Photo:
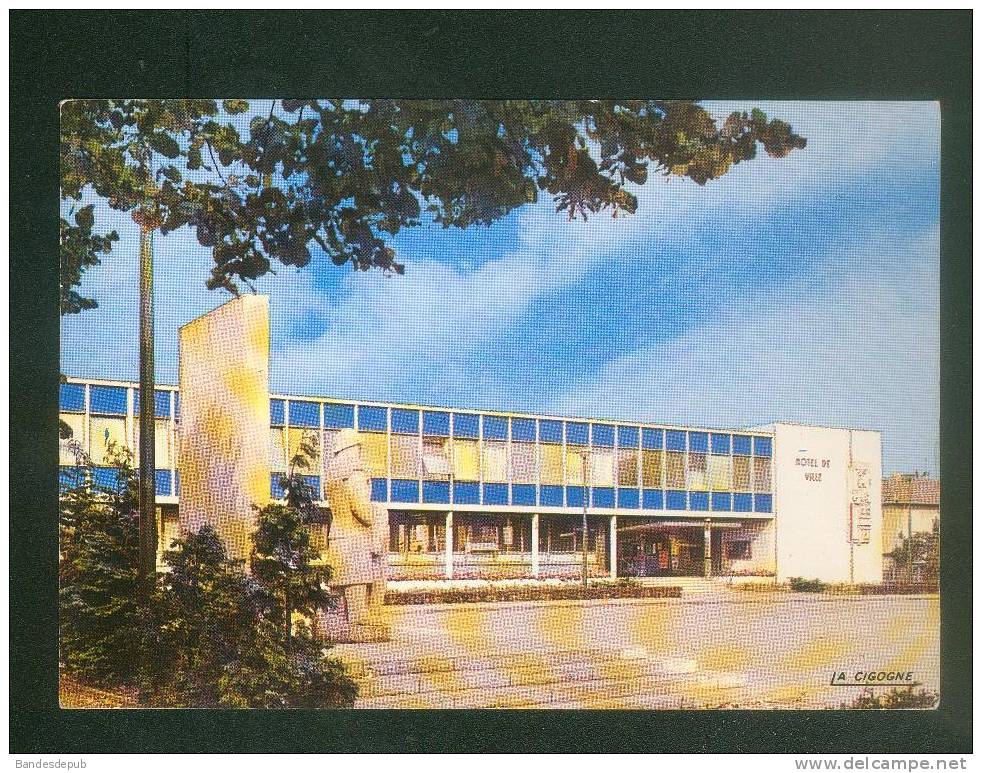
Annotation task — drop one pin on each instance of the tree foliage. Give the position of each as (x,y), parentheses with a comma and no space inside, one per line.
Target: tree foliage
(343,176)
(920,551)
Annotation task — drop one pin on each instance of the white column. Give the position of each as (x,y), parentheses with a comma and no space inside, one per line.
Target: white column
(613,547)
(535,545)
(448,545)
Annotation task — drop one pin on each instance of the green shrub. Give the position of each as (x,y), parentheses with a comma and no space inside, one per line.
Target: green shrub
(801,585)
(895,698)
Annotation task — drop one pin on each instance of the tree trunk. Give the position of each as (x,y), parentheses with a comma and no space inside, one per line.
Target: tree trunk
(148,504)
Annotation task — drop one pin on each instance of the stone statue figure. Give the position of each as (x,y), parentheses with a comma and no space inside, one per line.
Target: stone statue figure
(356,545)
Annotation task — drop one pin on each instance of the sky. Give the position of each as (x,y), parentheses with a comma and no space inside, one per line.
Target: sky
(802,289)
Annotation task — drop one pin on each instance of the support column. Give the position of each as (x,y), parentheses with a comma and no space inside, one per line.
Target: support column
(448,546)
(708,550)
(613,547)
(535,545)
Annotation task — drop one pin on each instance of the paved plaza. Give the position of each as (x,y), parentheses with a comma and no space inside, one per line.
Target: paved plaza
(718,648)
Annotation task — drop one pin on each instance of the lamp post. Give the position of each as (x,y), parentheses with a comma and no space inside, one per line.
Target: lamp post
(585,456)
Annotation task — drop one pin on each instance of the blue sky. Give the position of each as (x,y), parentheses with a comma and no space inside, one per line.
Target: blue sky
(800,289)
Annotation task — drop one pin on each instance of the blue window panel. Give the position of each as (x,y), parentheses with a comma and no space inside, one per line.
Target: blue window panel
(762,446)
(496,493)
(339,416)
(177,483)
(523,494)
(277,413)
(276,490)
(722,501)
(436,423)
(70,477)
(437,491)
(305,414)
(675,500)
(741,445)
(628,498)
(627,437)
(405,491)
(743,503)
(106,477)
(107,400)
(466,425)
(371,418)
(762,503)
(380,489)
(698,500)
(577,433)
(603,435)
(405,421)
(699,442)
(465,493)
(551,496)
(523,429)
(652,438)
(71,397)
(653,499)
(720,443)
(550,431)
(574,496)
(674,440)
(314,481)
(495,428)
(161,403)
(603,497)
(162,483)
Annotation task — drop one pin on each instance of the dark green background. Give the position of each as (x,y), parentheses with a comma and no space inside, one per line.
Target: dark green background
(752,55)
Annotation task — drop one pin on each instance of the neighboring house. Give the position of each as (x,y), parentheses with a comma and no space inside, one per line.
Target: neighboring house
(911,505)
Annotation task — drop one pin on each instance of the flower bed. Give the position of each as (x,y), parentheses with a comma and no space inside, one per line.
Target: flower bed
(563,592)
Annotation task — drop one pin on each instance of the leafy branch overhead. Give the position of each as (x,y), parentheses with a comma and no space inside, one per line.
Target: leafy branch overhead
(344,175)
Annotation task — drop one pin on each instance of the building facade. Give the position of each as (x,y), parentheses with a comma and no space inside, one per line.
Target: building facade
(488,494)
(911,506)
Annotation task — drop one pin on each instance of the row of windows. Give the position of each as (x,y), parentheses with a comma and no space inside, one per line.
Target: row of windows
(69,477)
(112,400)
(467,493)
(406,421)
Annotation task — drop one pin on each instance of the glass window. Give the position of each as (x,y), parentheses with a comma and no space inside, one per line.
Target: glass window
(380,490)
(103,432)
(70,477)
(652,438)
(720,473)
(602,497)
(436,460)
(741,445)
(603,435)
(652,499)
(106,478)
(675,500)
(405,491)
(523,429)
(71,397)
(698,500)
(466,493)
(720,443)
(371,418)
(277,413)
(742,503)
(628,437)
(762,503)
(466,425)
(574,496)
(737,550)
(405,421)
(697,478)
(162,483)
(405,457)
(495,461)
(628,498)
(107,400)
(762,473)
(495,428)
(674,440)
(552,464)
(699,441)
(277,449)
(77,424)
(161,441)
(627,467)
(436,491)
(651,468)
(466,460)
(601,467)
(577,433)
(550,431)
(762,446)
(551,496)
(675,469)
(276,490)
(741,473)
(523,494)
(436,423)
(574,467)
(496,493)
(722,502)
(375,452)
(524,467)
(339,416)
(161,403)
(298,435)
